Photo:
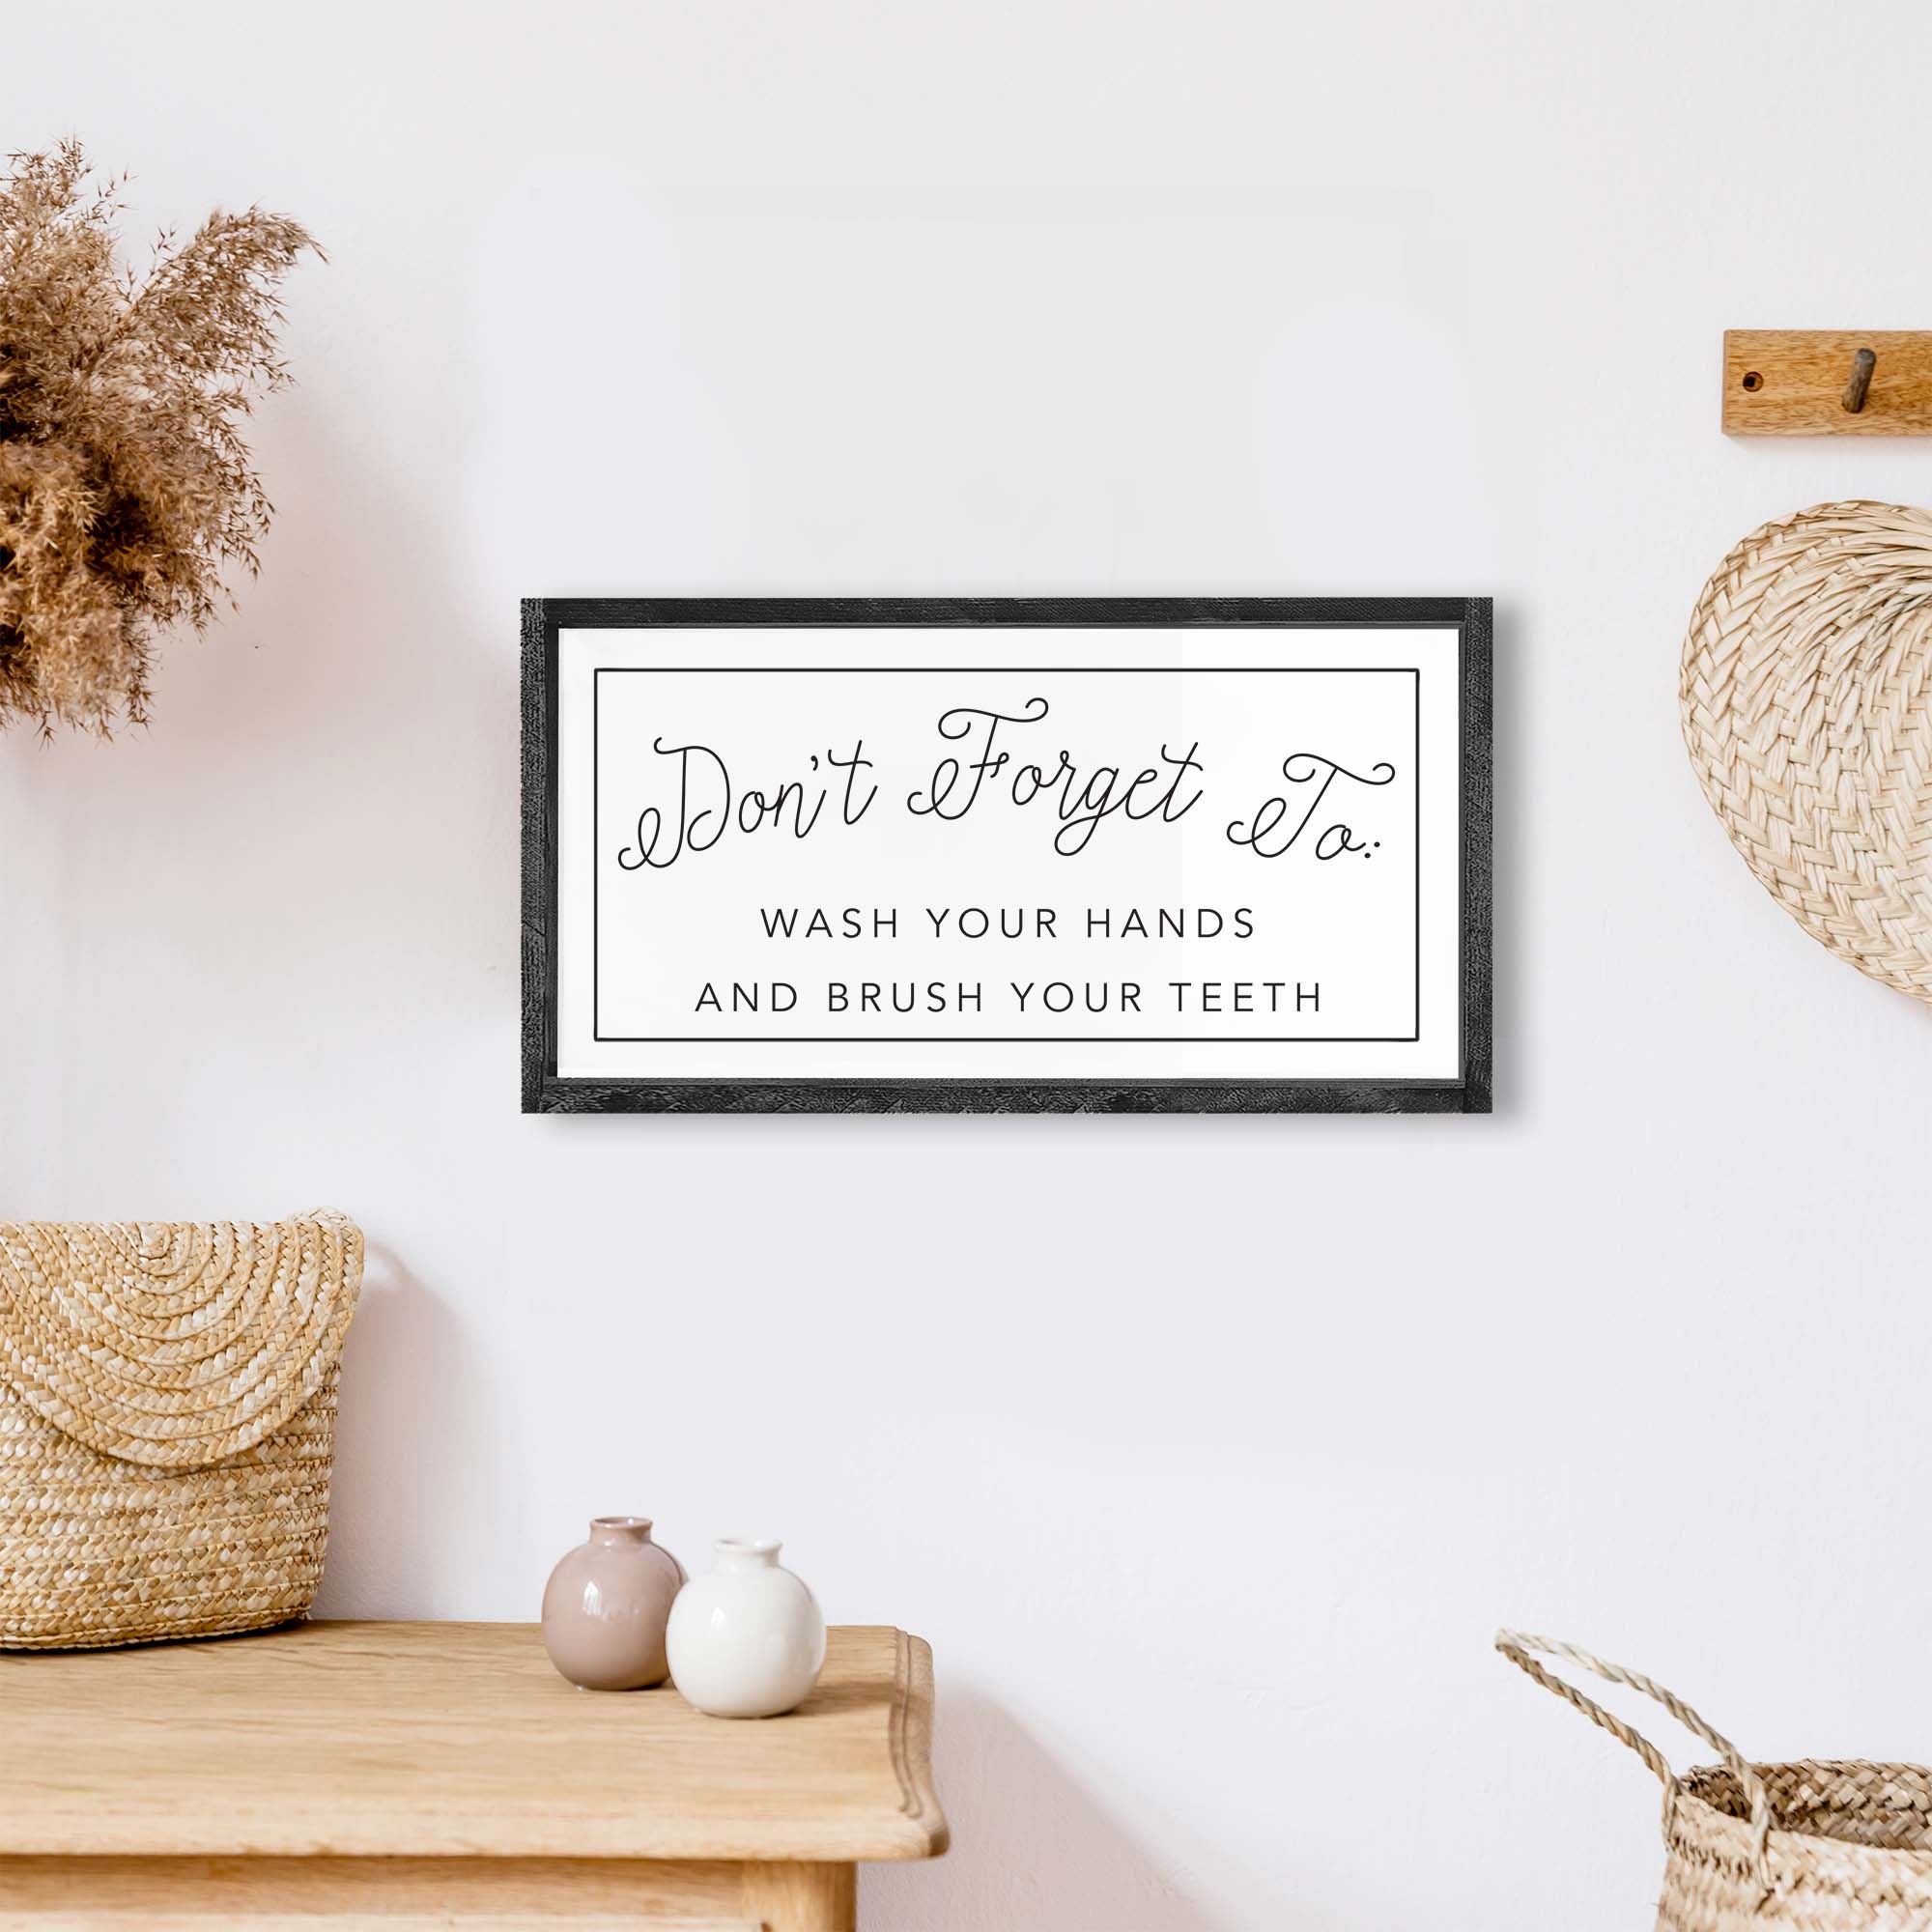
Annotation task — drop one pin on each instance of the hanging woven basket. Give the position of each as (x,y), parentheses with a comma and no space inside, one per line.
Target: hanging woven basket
(1806,699)
(1837,1847)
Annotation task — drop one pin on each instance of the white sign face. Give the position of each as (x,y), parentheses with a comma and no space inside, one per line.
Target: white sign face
(1070,852)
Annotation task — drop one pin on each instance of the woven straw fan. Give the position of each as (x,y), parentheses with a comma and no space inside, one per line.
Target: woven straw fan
(1809,720)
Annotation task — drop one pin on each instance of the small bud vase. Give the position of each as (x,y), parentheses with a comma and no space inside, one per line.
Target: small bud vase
(606,1603)
(747,1640)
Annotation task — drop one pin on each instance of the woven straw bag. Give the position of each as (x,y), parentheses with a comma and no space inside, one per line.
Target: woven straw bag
(167,1418)
(1759,1847)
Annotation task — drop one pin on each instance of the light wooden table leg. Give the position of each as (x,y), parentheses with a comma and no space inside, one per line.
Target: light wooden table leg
(802,1899)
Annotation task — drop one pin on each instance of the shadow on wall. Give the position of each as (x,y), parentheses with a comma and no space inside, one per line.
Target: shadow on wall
(1033,1851)
(407,1440)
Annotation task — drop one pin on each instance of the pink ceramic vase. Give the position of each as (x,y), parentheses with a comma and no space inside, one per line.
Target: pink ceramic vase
(606,1603)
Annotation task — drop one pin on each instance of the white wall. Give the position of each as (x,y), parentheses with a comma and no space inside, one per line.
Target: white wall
(1208,1453)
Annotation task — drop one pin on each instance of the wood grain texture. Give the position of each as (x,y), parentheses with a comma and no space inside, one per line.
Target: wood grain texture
(138,1918)
(453,1740)
(1791,382)
(416,1894)
(545,1091)
(395,1894)
(800,1897)
(320,1919)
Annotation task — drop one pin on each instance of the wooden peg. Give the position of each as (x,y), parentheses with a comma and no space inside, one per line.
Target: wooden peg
(1793,381)
(1857,389)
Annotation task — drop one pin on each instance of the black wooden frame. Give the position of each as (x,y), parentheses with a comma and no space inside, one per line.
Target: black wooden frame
(545,1091)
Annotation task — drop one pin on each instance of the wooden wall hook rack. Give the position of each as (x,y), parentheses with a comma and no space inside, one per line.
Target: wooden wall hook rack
(1827,382)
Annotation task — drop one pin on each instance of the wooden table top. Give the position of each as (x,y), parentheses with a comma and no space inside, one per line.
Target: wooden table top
(441,1739)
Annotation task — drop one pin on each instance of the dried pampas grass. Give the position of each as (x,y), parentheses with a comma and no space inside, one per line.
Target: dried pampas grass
(124,484)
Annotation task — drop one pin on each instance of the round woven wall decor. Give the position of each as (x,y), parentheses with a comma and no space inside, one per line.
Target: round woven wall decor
(1807,698)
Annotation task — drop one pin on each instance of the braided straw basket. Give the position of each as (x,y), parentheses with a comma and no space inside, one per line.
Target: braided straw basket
(167,1417)
(1806,699)
(1759,1847)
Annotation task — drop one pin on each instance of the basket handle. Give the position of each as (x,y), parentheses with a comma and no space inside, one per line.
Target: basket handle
(1517,1647)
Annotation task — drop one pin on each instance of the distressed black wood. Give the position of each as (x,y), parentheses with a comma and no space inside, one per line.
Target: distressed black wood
(538,761)
(1477,736)
(545,1093)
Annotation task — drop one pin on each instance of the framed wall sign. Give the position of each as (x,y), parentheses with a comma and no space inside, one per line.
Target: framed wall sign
(933,854)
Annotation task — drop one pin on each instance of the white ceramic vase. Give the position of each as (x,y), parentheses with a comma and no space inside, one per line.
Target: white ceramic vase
(747,1639)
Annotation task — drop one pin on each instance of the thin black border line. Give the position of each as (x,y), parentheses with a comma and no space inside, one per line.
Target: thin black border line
(1470,1092)
(596,860)
(600,1038)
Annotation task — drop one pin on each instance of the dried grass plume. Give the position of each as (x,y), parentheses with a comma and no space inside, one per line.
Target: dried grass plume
(125,485)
